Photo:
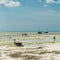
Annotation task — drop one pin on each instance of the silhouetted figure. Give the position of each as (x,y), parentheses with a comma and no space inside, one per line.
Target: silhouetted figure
(10,37)
(54,39)
(24,34)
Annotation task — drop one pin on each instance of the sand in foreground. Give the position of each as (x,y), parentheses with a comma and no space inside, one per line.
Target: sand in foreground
(49,51)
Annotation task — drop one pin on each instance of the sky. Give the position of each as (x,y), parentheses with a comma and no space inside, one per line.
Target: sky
(29,15)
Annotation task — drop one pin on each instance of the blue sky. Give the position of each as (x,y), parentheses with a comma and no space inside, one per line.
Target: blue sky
(29,15)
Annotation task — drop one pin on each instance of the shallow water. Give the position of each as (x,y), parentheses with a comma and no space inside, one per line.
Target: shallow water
(10,36)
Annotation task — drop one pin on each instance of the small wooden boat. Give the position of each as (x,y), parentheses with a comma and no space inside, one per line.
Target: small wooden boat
(18,43)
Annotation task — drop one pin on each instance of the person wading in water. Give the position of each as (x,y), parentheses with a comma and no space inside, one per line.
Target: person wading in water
(54,39)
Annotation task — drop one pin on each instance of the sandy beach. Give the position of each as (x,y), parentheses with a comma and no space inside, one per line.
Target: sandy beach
(49,51)
(41,48)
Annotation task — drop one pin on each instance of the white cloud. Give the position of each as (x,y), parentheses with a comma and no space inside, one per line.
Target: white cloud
(10,3)
(49,1)
(53,1)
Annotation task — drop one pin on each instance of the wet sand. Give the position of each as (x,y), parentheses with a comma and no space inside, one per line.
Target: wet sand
(50,51)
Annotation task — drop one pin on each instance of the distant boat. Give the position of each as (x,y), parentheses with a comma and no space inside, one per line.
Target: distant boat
(39,32)
(45,32)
